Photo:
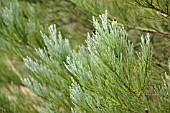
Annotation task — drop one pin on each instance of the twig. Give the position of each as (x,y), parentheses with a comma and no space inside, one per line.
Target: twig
(145,29)
(149,30)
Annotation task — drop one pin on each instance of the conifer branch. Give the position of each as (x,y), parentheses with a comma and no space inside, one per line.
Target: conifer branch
(98,72)
(143,3)
(150,5)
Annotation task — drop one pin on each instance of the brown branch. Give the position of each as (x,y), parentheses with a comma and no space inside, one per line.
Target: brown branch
(149,30)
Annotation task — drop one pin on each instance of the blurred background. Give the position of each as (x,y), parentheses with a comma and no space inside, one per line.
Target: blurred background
(22,20)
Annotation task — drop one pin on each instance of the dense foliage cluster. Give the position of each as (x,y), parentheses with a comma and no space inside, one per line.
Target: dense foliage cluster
(113,70)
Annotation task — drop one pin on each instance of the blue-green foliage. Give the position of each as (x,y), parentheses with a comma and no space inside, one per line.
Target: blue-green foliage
(51,80)
(105,76)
